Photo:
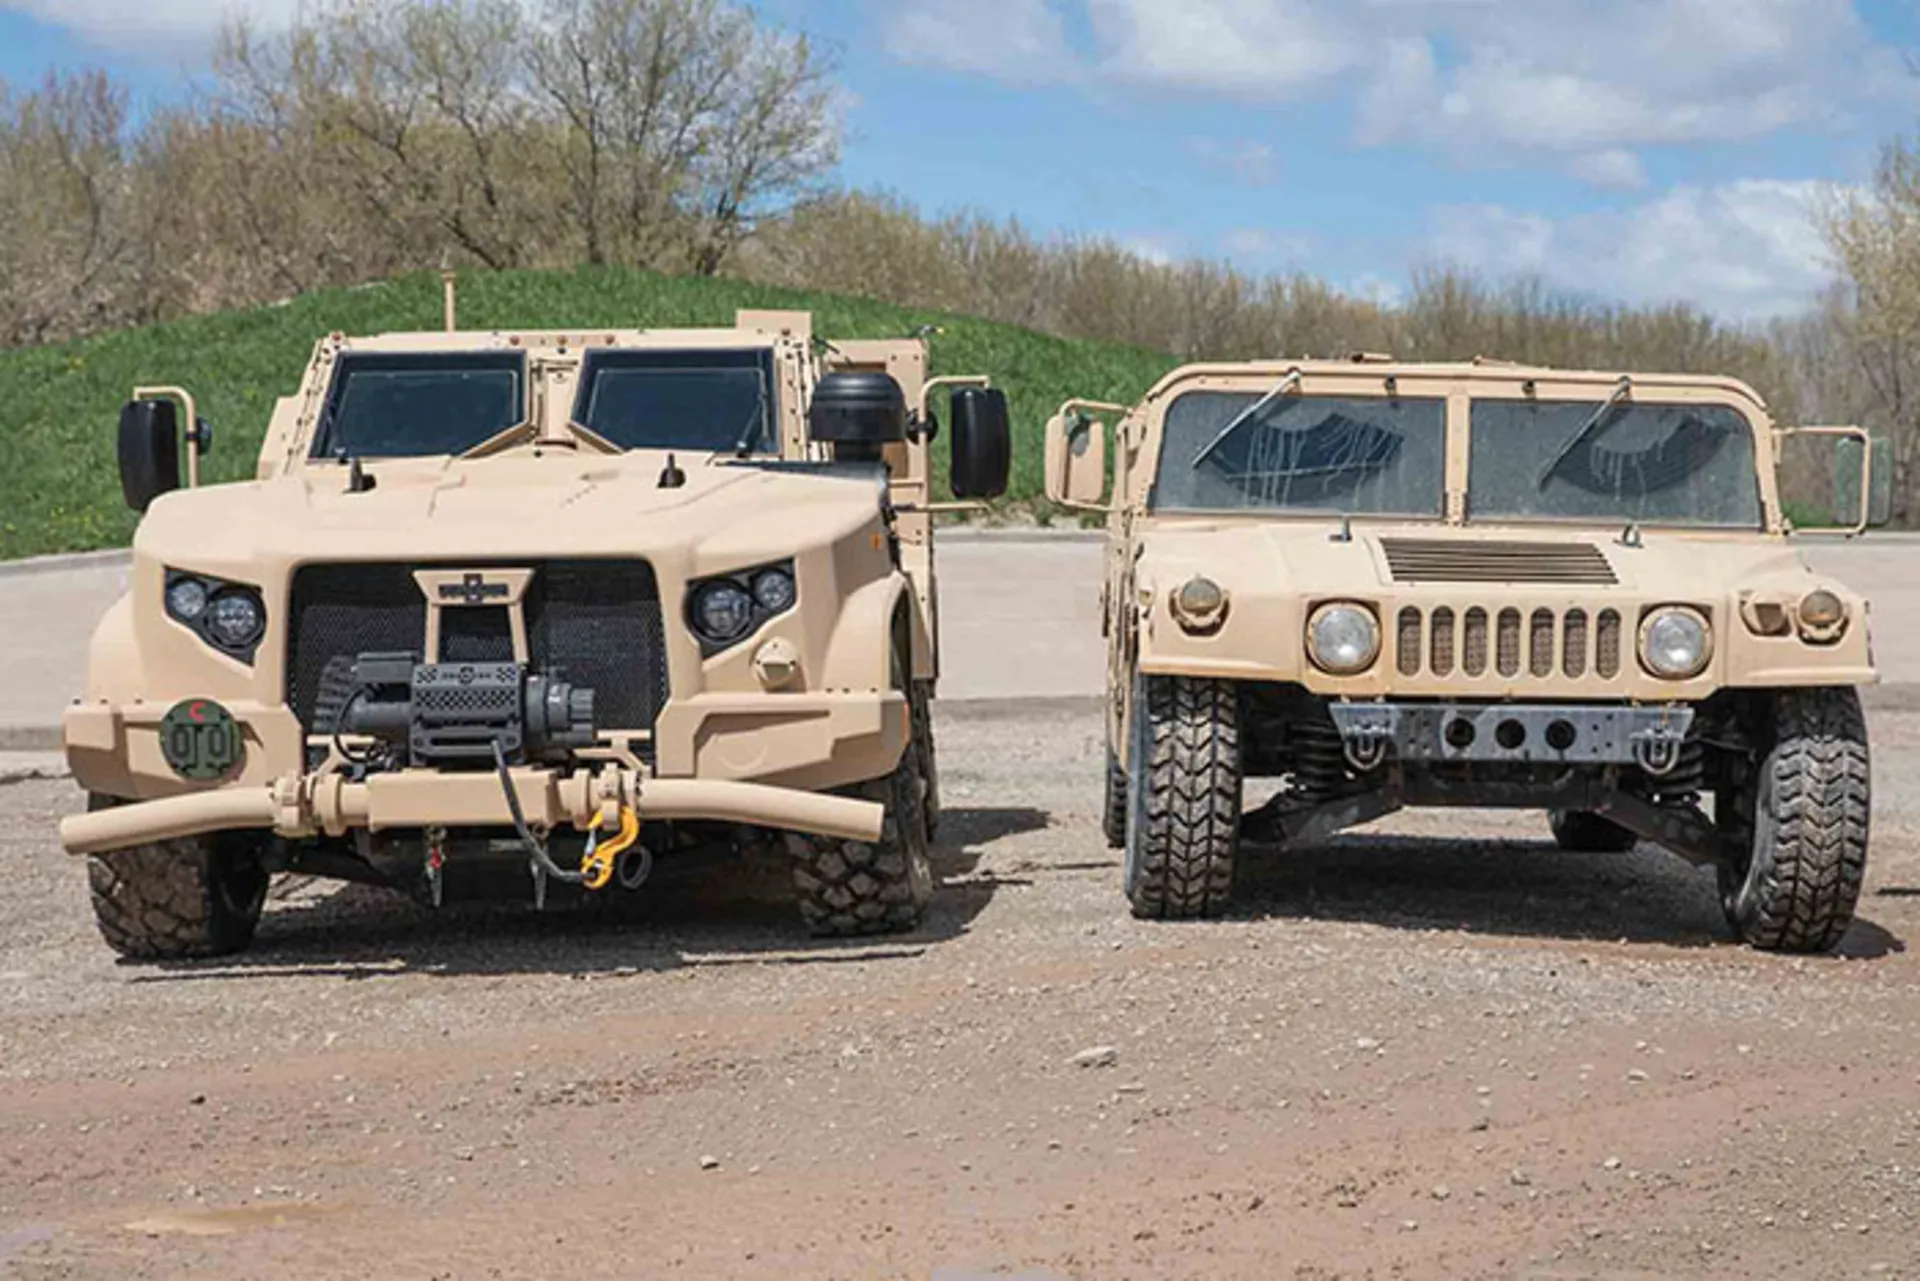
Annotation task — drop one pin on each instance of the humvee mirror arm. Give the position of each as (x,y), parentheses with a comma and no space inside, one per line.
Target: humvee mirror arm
(1289,383)
(1866,470)
(197,438)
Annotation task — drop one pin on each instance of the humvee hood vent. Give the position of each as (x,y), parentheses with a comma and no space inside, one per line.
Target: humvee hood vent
(1422,560)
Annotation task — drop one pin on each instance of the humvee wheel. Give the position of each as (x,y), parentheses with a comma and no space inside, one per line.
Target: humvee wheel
(849,888)
(920,702)
(1183,811)
(1581,832)
(196,896)
(1802,825)
(1113,815)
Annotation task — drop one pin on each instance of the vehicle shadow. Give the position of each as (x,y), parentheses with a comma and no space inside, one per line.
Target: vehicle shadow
(702,910)
(1513,888)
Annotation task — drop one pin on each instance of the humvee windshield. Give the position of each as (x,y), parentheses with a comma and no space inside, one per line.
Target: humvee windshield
(1358,456)
(1649,463)
(419,404)
(707,401)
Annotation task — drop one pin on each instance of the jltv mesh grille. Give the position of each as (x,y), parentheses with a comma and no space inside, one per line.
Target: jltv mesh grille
(598,622)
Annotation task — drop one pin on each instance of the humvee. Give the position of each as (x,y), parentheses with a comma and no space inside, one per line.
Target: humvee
(588,599)
(1388,585)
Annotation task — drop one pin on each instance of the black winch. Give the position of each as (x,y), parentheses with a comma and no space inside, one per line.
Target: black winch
(454,714)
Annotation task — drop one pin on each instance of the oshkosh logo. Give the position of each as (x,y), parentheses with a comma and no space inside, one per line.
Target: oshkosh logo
(474,589)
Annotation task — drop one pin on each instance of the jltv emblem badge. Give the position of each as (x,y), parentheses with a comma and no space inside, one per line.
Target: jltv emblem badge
(473,589)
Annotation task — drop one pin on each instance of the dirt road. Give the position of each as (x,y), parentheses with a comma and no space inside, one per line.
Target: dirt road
(1440,1050)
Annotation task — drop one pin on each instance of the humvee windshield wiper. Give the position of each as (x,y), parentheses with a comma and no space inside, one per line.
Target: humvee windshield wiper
(1291,381)
(1620,392)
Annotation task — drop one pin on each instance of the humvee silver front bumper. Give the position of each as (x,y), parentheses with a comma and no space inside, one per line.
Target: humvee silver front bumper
(302,806)
(1546,733)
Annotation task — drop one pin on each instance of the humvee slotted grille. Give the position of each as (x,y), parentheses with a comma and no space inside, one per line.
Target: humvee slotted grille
(1541,644)
(599,622)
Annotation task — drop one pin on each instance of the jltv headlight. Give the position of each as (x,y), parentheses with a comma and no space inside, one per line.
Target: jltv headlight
(722,612)
(773,591)
(1343,640)
(231,617)
(187,599)
(1675,644)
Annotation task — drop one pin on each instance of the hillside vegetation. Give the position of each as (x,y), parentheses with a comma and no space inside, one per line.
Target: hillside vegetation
(59,480)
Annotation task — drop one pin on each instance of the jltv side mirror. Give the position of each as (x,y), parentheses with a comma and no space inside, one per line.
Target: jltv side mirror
(149,451)
(982,443)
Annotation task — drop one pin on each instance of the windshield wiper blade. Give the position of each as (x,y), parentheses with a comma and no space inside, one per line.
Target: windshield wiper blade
(1291,381)
(756,427)
(1621,391)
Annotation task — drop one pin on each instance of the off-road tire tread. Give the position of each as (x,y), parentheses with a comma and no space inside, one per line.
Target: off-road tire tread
(1818,830)
(1113,814)
(1190,815)
(847,889)
(920,703)
(1583,832)
(159,902)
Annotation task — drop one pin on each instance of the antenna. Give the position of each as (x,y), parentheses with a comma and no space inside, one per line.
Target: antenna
(447,278)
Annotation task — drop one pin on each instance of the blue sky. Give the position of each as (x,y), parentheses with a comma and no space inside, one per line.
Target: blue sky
(1643,149)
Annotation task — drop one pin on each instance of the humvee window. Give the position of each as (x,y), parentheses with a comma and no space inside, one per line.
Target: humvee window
(420,404)
(1648,463)
(1358,456)
(709,401)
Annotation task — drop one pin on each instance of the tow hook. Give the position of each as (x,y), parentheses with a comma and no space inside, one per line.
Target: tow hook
(1366,739)
(1657,751)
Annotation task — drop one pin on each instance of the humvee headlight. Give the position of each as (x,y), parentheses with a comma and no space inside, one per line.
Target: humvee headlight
(1823,614)
(1343,640)
(773,591)
(187,599)
(235,619)
(1200,605)
(1675,644)
(722,612)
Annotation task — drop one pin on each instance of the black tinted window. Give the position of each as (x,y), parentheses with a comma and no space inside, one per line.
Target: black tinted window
(1359,456)
(416,404)
(1585,460)
(709,401)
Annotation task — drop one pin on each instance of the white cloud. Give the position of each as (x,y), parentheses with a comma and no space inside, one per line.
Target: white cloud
(134,24)
(1744,250)
(1022,40)
(1576,84)
(1246,162)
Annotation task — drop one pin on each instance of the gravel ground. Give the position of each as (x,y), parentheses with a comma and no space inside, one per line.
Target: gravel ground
(1435,1049)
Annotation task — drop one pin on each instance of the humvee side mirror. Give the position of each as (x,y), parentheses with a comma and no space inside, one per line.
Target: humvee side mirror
(1076,460)
(858,413)
(982,443)
(1840,480)
(149,451)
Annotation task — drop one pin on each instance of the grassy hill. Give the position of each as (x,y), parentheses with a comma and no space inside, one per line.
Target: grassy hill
(59,481)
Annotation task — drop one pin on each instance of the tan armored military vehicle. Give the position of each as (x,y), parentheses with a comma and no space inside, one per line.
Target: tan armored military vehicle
(1389,585)
(587,599)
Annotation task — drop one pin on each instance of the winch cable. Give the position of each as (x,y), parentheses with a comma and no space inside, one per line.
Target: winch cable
(535,850)
(597,865)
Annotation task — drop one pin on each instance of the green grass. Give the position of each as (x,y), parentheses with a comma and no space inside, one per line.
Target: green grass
(59,481)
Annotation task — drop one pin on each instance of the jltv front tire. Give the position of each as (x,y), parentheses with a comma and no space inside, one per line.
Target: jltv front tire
(1803,824)
(1183,810)
(852,888)
(193,897)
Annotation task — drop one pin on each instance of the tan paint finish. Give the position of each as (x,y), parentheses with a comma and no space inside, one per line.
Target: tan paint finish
(1277,568)
(548,491)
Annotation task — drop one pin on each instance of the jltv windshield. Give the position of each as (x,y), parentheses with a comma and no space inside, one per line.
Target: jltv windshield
(1622,461)
(420,404)
(705,401)
(1227,451)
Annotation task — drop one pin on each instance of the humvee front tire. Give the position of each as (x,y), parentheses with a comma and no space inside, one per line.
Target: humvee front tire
(1183,811)
(1582,832)
(851,888)
(1803,824)
(196,896)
